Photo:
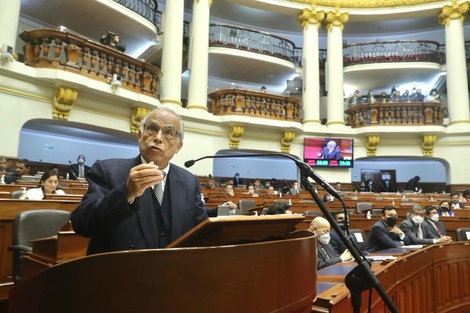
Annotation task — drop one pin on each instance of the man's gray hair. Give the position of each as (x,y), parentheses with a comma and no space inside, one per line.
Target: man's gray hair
(180,132)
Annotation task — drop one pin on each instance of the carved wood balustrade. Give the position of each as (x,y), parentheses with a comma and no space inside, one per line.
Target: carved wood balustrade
(255,104)
(52,48)
(399,113)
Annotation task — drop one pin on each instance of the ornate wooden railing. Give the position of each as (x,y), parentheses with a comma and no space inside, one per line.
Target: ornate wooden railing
(400,114)
(255,104)
(393,51)
(52,48)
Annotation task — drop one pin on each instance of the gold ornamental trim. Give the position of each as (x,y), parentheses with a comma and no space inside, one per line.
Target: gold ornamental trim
(310,16)
(286,141)
(335,18)
(364,4)
(63,102)
(235,134)
(453,11)
(427,145)
(138,113)
(372,144)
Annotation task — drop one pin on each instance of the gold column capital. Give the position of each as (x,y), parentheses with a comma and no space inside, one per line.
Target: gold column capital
(235,134)
(453,11)
(208,1)
(372,144)
(335,18)
(63,102)
(427,145)
(310,16)
(286,140)
(138,113)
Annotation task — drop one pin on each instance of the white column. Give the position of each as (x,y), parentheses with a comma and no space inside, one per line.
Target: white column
(199,55)
(335,106)
(172,54)
(9,19)
(310,21)
(457,91)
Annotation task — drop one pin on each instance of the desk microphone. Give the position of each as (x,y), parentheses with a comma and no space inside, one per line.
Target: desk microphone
(259,194)
(303,167)
(219,188)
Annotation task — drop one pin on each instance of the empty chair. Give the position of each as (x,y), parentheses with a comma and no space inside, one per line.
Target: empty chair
(16,194)
(376,212)
(33,224)
(462,234)
(362,207)
(245,204)
(360,236)
(312,213)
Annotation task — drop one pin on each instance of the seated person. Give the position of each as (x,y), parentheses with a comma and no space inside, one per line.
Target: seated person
(418,96)
(229,190)
(370,97)
(330,151)
(362,187)
(387,186)
(295,190)
(22,168)
(336,242)
(395,96)
(250,190)
(454,201)
(277,208)
(445,209)
(4,166)
(326,254)
(436,227)
(384,234)
(327,198)
(416,231)
(48,184)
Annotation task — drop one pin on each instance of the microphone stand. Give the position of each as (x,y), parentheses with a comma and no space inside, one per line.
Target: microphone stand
(361,278)
(259,194)
(219,188)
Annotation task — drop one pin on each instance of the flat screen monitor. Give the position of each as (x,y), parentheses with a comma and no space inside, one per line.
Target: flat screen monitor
(329,152)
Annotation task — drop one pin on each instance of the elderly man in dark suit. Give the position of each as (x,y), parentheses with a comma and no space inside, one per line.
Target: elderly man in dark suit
(326,254)
(384,234)
(145,202)
(418,232)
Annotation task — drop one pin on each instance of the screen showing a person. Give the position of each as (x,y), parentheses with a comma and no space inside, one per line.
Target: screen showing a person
(328,152)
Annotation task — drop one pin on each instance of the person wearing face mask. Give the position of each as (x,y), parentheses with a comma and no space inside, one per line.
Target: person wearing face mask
(416,231)
(335,241)
(436,227)
(445,209)
(326,254)
(384,234)
(79,169)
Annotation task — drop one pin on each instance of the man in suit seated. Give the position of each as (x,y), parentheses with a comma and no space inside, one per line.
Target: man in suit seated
(336,242)
(384,234)
(417,231)
(454,201)
(326,254)
(22,167)
(79,169)
(436,228)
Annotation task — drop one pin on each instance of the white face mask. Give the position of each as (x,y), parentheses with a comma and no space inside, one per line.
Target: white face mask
(325,238)
(435,217)
(417,219)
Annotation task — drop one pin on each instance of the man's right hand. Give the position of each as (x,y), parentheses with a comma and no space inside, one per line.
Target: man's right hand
(346,255)
(140,178)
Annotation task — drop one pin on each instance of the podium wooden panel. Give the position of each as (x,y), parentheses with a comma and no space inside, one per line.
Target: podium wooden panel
(267,276)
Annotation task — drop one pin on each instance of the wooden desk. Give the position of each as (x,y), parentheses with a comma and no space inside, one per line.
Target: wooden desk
(431,279)
(15,187)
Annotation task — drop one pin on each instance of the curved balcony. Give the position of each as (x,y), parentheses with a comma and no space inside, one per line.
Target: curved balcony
(255,104)
(51,48)
(397,114)
(393,51)
(251,40)
(145,8)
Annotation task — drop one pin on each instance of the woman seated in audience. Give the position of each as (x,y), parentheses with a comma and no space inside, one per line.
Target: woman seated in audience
(48,184)
(445,209)
(370,97)
(433,96)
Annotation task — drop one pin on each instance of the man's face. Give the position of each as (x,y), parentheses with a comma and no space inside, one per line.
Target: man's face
(257,183)
(330,145)
(229,189)
(389,213)
(22,169)
(3,163)
(431,213)
(296,185)
(455,198)
(159,140)
(340,217)
(417,213)
(338,186)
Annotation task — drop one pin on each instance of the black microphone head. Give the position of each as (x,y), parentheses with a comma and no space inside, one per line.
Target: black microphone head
(189,163)
(70,162)
(210,175)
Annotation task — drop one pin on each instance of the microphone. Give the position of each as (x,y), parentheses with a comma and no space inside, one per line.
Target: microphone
(79,180)
(303,167)
(219,188)
(259,193)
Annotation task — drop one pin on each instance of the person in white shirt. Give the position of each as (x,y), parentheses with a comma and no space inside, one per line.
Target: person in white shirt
(48,184)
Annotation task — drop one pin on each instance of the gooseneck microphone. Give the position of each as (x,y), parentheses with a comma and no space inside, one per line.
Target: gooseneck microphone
(303,167)
(79,180)
(219,188)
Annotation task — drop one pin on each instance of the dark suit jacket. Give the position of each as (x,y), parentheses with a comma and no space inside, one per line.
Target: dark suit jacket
(411,231)
(74,170)
(380,238)
(432,231)
(338,245)
(323,260)
(334,155)
(112,224)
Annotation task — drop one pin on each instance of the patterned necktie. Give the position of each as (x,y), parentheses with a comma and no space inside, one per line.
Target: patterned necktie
(81,173)
(437,228)
(420,232)
(158,190)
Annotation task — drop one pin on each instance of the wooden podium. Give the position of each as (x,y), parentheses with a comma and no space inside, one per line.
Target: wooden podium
(277,275)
